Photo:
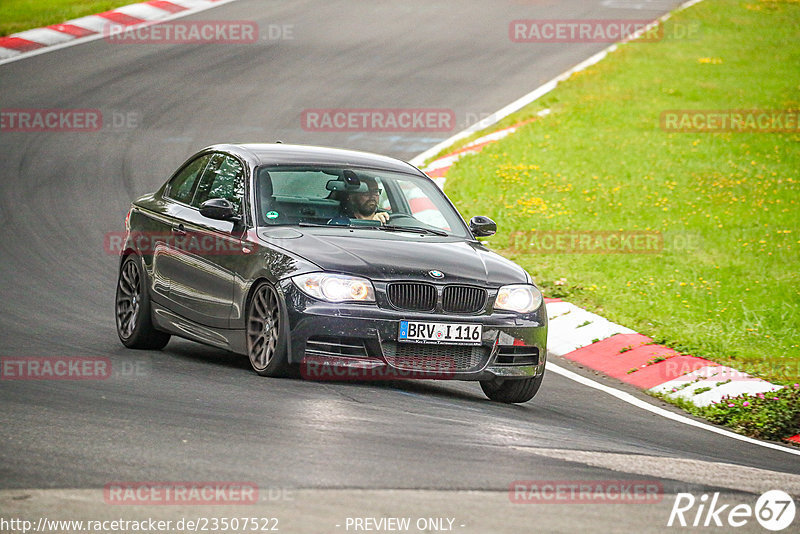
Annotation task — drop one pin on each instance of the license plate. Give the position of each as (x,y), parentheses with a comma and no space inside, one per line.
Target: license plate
(449,333)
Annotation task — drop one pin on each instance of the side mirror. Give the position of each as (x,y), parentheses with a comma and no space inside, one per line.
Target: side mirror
(219,209)
(481,226)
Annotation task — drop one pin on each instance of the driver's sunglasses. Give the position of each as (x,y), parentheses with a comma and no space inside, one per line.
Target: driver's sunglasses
(372,193)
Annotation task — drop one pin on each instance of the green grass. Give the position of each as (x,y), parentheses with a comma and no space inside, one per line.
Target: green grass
(774,415)
(20,15)
(726,286)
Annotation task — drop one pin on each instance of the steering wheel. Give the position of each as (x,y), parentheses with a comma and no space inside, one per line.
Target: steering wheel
(401,216)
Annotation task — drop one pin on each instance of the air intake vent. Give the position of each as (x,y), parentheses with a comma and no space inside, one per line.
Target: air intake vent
(336,346)
(431,357)
(517,355)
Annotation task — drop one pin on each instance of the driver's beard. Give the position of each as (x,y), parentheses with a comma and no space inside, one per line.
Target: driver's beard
(365,210)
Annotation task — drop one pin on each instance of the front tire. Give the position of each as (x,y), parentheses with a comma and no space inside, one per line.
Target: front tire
(266,333)
(134,325)
(512,391)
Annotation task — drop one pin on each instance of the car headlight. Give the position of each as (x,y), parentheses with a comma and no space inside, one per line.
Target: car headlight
(520,298)
(335,287)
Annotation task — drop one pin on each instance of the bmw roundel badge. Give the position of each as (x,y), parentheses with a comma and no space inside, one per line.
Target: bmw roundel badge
(436,274)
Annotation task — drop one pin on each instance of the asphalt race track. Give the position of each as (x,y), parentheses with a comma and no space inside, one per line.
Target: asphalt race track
(195,413)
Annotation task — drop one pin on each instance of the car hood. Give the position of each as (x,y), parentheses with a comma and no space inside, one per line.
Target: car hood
(381,255)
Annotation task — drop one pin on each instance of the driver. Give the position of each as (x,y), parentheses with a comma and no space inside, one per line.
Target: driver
(365,205)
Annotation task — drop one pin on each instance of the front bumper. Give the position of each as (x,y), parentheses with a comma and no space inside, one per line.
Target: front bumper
(357,341)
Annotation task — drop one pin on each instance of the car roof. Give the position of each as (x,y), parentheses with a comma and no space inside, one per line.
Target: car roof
(285,154)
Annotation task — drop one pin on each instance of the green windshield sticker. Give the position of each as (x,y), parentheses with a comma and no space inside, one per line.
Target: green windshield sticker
(272,215)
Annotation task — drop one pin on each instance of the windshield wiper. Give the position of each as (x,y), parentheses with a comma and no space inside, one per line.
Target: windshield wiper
(413,229)
(305,223)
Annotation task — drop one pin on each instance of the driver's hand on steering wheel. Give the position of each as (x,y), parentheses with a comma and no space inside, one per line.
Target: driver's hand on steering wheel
(382,216)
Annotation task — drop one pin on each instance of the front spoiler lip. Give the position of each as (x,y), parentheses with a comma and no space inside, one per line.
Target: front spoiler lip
(373,369)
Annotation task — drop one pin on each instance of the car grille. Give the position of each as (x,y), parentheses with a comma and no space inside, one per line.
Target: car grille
(417,296)
(431,357)
(463,299)
(412,296)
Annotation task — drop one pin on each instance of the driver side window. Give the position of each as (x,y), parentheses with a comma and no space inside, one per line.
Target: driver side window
(182,186)
(223,178)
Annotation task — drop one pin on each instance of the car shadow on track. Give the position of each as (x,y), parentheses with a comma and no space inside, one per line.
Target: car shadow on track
(190,351)
(435,390)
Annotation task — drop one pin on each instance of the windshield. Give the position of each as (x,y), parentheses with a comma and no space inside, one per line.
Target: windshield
(334,196)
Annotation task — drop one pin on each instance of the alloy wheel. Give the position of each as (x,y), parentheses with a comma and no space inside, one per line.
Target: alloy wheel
(263,327)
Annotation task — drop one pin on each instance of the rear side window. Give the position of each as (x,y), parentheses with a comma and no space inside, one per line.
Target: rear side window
(223,178)
(181,187)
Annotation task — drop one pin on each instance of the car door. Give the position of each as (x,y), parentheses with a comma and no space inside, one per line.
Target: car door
(201,289)
(175,199)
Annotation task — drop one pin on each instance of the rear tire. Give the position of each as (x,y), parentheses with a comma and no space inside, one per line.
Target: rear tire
(134,324)
(512,391)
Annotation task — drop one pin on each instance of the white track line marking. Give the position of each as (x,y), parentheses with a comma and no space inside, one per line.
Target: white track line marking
(630,399)
(537,93)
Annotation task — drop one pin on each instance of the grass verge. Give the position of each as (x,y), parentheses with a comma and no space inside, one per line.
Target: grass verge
(20,15)
(724,283)
(774,415)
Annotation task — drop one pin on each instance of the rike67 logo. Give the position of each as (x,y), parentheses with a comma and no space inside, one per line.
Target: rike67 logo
(774,510)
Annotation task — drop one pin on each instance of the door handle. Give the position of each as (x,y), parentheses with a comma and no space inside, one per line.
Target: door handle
(179,230)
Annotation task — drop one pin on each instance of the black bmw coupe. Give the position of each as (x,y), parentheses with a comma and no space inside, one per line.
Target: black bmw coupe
(336,263)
